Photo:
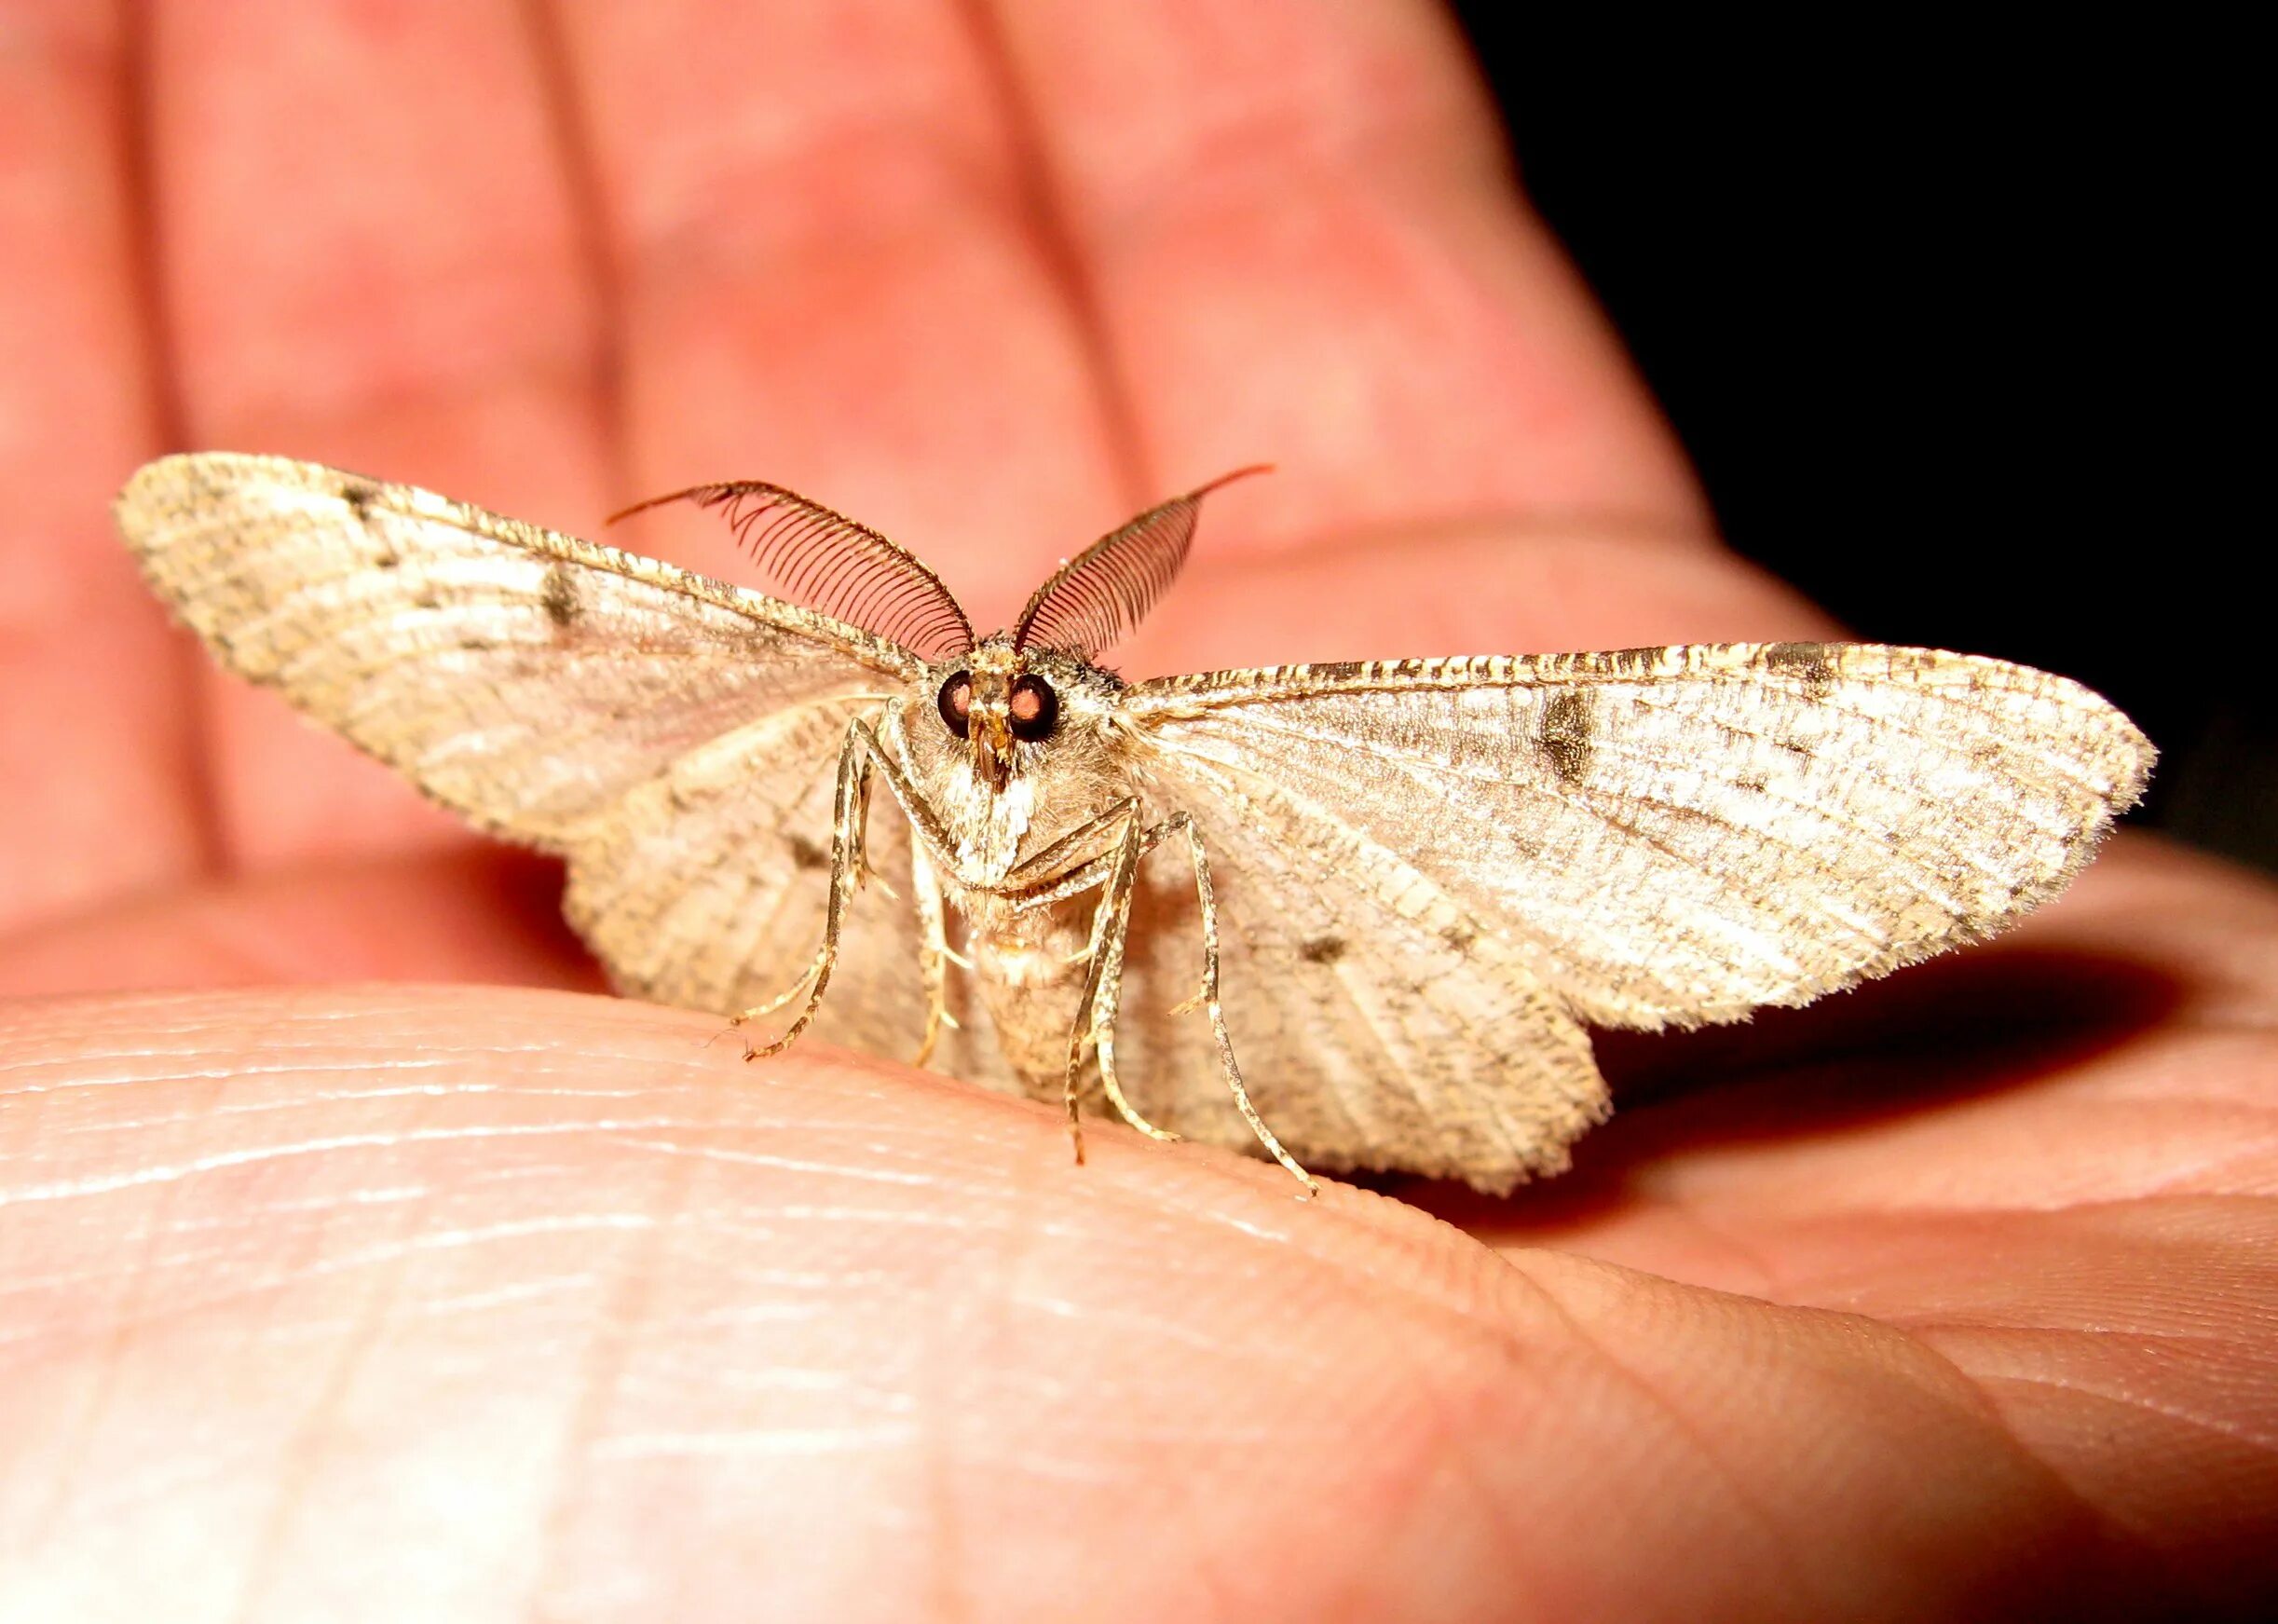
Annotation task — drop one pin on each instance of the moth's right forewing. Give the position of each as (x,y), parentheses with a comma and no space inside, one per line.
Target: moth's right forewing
(1681,835)
(527,680)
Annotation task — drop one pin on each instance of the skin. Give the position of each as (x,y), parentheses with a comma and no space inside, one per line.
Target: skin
(327,1295)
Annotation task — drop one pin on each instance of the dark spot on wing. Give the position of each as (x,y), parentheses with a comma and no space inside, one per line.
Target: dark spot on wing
(1566,727)
(1752,784)
(1322,951)
(1797,747)
(1460,937)
(1808,662)
(361,498)
(558,592)
(805,853)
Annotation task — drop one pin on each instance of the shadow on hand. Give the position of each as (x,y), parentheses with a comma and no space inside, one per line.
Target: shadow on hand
(1937,1035)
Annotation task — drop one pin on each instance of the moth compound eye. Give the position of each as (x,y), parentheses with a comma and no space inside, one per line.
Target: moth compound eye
(956,703)
(1034,709)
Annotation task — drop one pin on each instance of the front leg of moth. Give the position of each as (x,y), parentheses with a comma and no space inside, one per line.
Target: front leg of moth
(1102,987)
(934,954)
(1180,822)
(1094,1024)
(849,800)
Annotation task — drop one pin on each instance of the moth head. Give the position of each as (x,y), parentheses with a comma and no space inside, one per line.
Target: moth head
(1012,749)
(1010,707)
(1020,744)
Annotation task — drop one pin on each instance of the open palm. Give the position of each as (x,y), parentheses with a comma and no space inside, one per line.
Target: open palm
(323,1295)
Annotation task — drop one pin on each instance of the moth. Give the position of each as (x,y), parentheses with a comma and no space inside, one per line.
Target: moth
(1355,916)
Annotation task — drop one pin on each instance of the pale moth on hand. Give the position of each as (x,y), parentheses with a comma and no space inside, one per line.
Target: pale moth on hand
(1356,915)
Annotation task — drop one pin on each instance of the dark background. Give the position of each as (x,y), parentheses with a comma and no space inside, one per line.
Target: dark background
(1952,326)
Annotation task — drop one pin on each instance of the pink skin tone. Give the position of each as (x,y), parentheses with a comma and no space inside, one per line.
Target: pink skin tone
(331,1290)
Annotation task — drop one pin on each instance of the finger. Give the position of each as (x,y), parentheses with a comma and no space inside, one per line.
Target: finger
(101,797)
(445,1304)
(1298,229)
(372,258)
(834,277)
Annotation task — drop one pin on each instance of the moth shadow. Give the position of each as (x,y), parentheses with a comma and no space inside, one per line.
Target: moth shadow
(1946,1032)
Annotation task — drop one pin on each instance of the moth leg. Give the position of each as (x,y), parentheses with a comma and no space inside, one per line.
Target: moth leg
(744,1016)
(1095,1027)
(1111,929)
(1077,880)
(847,800)
(934,954)
(1078,1039)
(870,875)
(1180,822)
(924,825)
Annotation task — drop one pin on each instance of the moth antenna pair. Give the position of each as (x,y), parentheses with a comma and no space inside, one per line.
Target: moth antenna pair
(823,560)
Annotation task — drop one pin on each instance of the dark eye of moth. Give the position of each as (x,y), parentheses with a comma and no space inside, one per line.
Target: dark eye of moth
(1034,708)
(956,703)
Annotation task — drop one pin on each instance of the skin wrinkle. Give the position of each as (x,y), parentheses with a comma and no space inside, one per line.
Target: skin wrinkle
(135,1319)
(942,1432)
(68,1189)
(2054,1479)
(1882,1208)
(1448,1415)
(127,1319)
(2137,1402)
(608,1359)
(302,1450)
(475,1304)
(1782,1547)
(1766,1283)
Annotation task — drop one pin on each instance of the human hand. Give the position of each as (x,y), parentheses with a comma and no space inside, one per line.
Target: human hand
(320,1300)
